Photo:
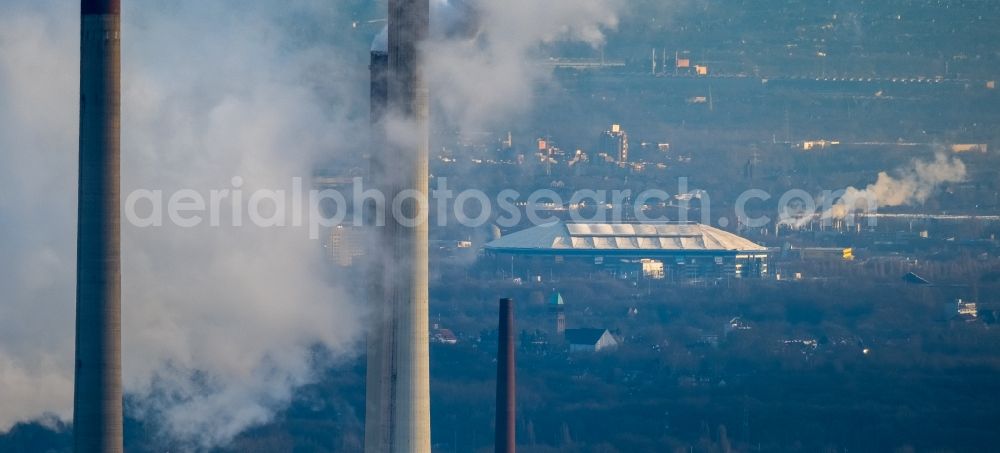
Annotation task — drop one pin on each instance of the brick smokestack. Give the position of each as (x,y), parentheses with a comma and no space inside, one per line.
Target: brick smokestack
(506,410)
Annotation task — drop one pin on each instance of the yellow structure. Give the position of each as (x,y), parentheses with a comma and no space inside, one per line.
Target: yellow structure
(848,254)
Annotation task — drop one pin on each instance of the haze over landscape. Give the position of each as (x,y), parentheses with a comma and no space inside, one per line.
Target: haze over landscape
(726,225)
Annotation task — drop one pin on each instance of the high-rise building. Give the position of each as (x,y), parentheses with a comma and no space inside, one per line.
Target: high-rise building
(97,392)
(614,142)
(345,245)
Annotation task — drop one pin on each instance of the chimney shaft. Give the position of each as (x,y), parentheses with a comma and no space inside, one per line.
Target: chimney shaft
(506,410)
(378,71)
(400,169)
(97,396)
(381,333)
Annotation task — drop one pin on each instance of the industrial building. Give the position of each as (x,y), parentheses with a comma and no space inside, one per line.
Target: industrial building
(656,250)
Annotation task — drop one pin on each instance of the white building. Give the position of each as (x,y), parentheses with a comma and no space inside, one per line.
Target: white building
(590,340)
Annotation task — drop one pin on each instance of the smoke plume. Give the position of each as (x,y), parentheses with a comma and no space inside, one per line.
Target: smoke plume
(484,77)
(37,213)
(911,185)
(221,324)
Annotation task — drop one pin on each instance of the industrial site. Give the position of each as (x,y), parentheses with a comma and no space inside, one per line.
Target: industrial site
(467,226)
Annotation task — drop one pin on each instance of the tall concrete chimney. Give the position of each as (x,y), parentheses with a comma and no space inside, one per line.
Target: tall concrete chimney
(97,393)
(506,409)
(401,418)
(411,424)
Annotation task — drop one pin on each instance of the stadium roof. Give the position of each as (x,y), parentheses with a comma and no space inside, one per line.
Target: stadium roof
(622,238)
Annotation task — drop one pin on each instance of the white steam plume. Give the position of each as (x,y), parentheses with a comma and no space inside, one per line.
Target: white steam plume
(450,19)
(490,71)
(37,212)
(912,185)
(220,324)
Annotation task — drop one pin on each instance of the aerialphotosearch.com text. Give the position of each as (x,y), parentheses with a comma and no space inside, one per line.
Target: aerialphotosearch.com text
(316,209)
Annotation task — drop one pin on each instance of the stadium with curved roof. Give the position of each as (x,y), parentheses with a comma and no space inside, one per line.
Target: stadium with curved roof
(671,249)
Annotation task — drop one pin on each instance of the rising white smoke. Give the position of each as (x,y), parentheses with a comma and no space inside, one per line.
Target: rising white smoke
(37,213)
(911,185)
(450,20)
(484,77)
(220,324)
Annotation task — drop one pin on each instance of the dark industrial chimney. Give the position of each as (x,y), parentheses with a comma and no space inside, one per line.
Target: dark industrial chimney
(381,333)
(97,393)
(506,410)
(379,86)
